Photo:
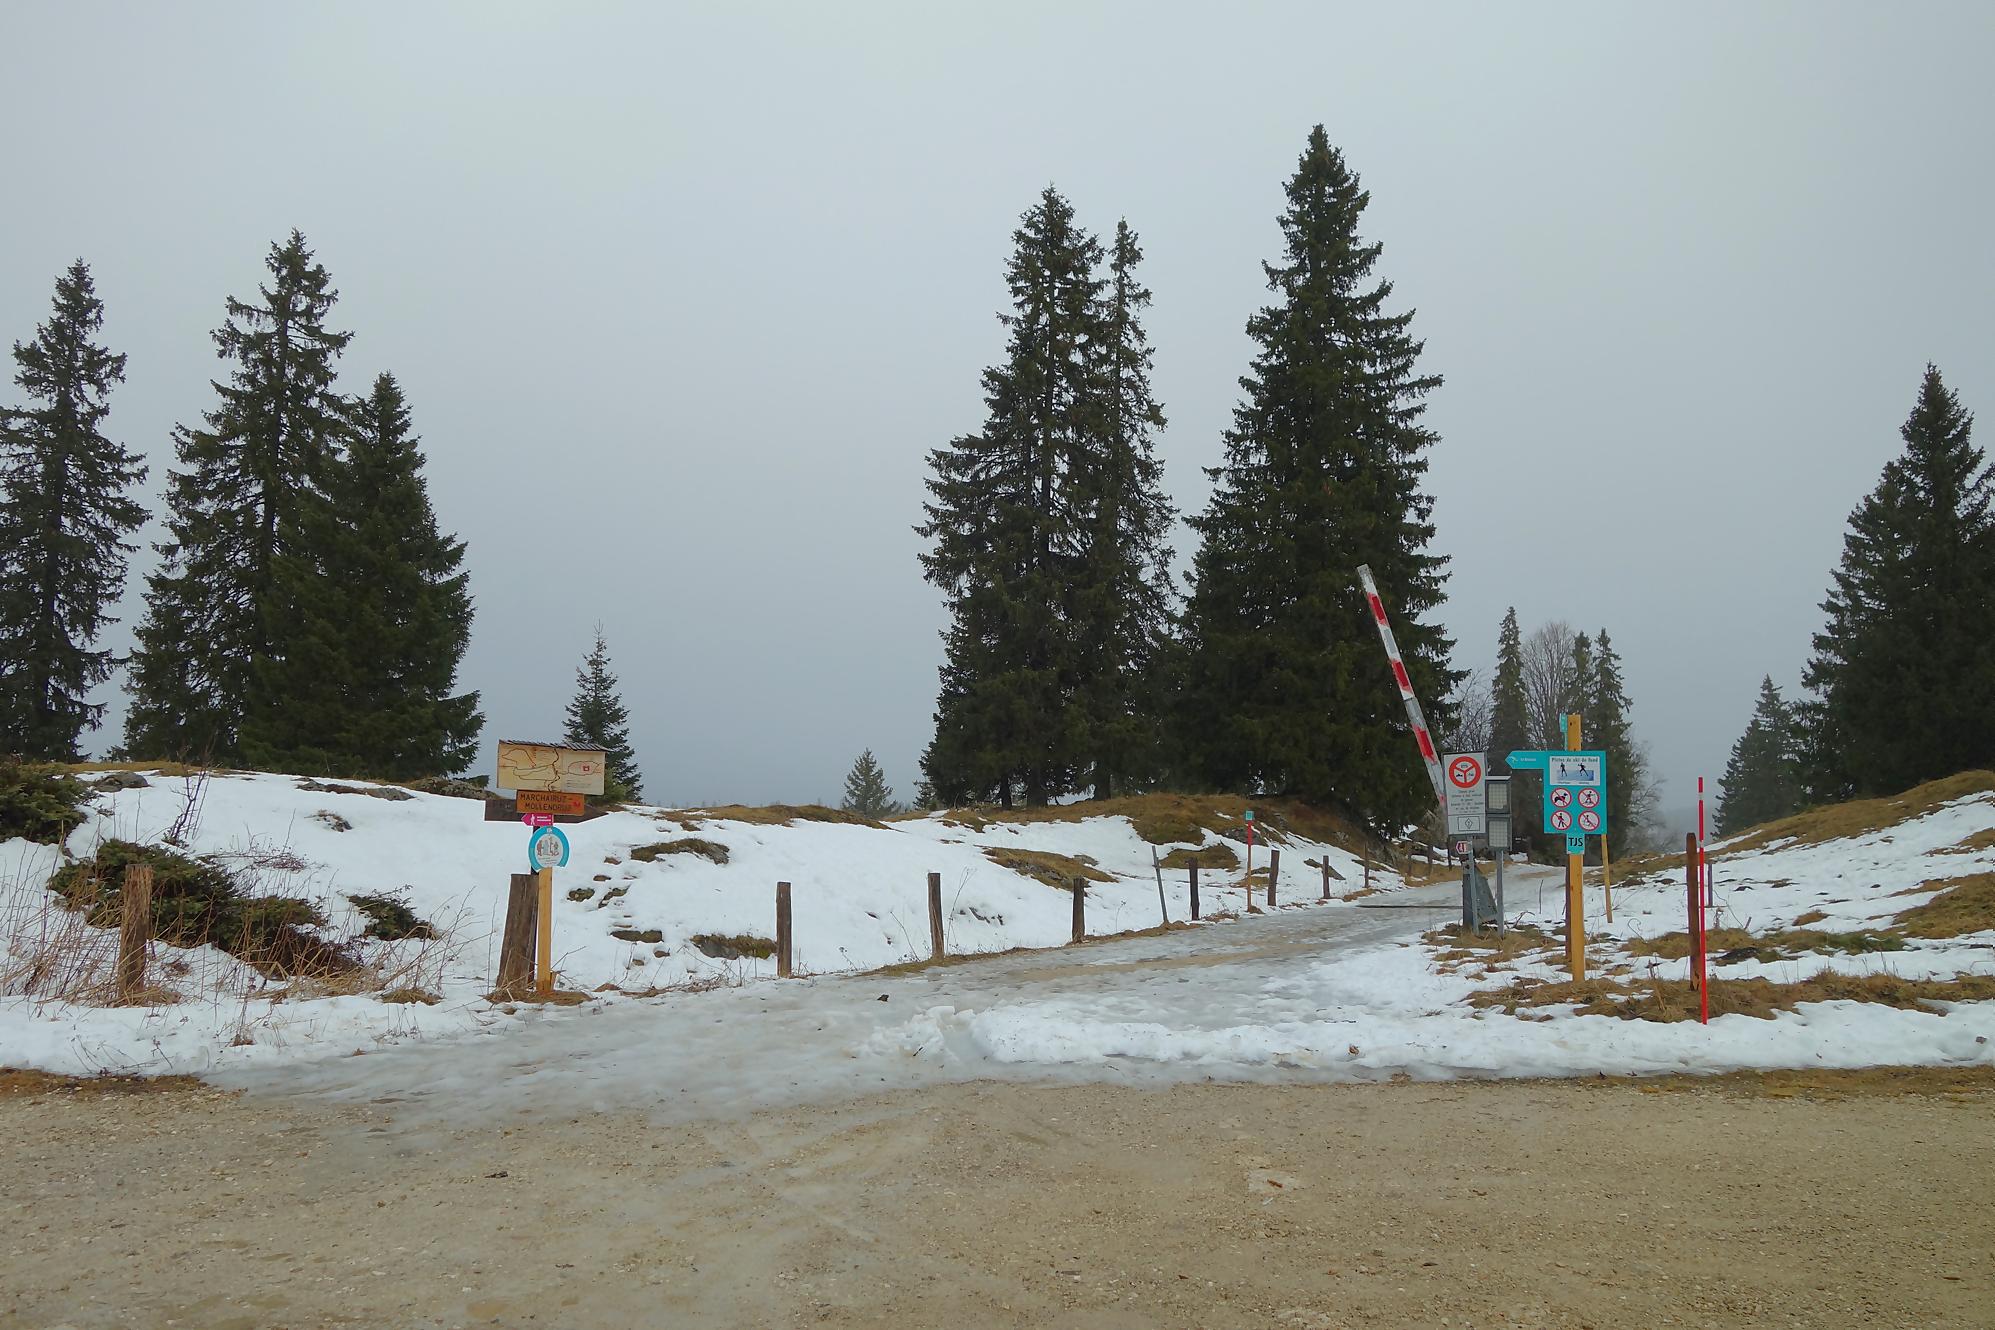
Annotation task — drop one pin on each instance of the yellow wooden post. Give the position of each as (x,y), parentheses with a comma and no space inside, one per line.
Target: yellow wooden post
(1575,896)
(544,952)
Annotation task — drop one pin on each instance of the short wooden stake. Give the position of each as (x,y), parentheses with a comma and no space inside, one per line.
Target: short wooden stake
(136,931)
(783,936)
(543,950)
(1192,864)
(516,943)
(1080,908)
(1158,869)
(1326,875)
(935,948)
(1274,871)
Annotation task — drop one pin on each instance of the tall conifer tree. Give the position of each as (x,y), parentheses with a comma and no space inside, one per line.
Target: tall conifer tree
(597,718)
(1608,729)
(241,483)
(1762,777)
(1509,722)
(377,616)
(1007,537)
(1120,600)
(65,511)
(1903,670)
(1323,471)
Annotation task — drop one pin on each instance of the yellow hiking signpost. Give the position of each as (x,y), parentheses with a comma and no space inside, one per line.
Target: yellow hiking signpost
(1575,807)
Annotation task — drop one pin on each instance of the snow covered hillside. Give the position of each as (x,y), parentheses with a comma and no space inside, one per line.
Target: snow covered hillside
(652,900)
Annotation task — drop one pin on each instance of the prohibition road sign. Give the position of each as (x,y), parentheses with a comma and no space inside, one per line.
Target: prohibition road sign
(1562,820)
(1465,772)
(1561,797)
(1589,821)
(1589,798)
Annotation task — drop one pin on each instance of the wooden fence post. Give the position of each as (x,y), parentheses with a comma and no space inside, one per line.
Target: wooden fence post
(1080,890)
(783,937)
(935,946)
(1274,871)
(516,943)
(1192,864)
(136,931)
(1158,869)
(1326,875)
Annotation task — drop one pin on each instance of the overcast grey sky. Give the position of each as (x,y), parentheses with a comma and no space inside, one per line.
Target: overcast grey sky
(708,282)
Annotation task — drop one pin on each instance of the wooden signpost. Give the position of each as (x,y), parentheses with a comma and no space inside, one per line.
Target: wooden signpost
(549,782)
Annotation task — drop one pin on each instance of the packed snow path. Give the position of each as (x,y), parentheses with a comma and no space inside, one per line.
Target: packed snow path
(1219,991)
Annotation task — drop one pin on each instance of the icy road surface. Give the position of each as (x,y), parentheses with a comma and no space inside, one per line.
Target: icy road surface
(1207,999)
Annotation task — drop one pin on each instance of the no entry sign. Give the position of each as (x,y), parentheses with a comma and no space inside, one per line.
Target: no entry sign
(1467,811)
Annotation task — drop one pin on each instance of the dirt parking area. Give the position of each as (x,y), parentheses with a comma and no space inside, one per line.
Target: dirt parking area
(1744,1201)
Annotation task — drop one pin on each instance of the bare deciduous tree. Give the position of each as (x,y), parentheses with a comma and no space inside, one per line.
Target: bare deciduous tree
(1548,682)
(1473,709)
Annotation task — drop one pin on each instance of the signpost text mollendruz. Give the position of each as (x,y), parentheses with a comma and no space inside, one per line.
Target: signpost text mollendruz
(549,782)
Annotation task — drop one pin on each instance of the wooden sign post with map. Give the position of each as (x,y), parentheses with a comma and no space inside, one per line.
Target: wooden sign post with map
(549,782)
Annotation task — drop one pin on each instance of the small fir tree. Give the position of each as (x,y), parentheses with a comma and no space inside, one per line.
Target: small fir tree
(65,511)
(234,507)
(597,718)
(1903,670)
(1763,775)
(1608,730)
(866,790)
(1324,469)
(377,620)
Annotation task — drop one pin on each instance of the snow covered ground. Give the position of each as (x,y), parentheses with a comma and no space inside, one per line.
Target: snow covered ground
(1337,992)
(859,902)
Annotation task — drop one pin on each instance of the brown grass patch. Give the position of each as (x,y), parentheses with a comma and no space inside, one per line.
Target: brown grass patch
(1055,870)
(1862,816)
(22,1081)
(1814,1083)
(1784,945)
(1171,819)
(1974,844)
(771,815)
(1811,917)
(706,849)
(411,995)
(1966,905)
(1463,944)
(1221,857)
(1669,1000)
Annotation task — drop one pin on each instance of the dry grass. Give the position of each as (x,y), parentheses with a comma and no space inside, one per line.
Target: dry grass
(1055,870)
(1461,944)
(706,849)
(770,815)
(1784,945)
(1669,1000)
(1854,1083)
(1966,905)
(1810,917)
(17,1081)
(1172,819)
(730,946)
(1974,844)
(1209,857)
(1863,816)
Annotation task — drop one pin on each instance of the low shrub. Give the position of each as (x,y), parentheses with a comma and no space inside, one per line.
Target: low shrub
(706,849)
(195,902)
(1208,856)
(733,946)
(37,802)
(390,918)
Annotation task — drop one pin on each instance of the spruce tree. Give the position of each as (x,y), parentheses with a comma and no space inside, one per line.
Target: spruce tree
(376,620)
(1287,689)
(1580,687)
(234,504)
(866,790)
(1006,534)
(1510,728)
(1608,730)
(1509,723)
(65,510)
(597,718)
(1904,668)
(1120,600)
(1762,777)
